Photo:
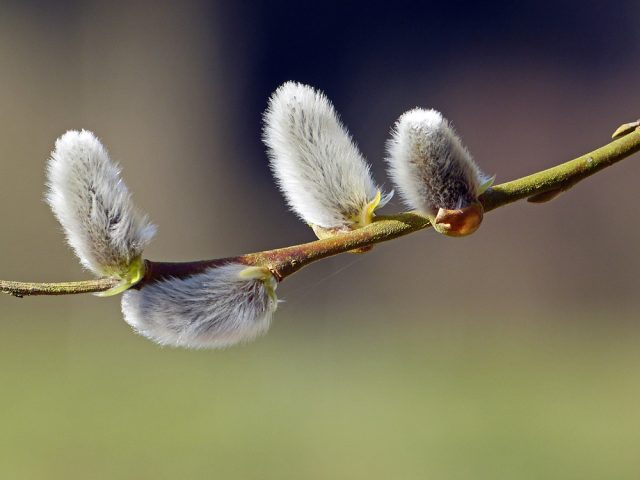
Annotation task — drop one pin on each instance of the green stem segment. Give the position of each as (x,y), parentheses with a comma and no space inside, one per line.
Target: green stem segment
(282,262)
(24,289)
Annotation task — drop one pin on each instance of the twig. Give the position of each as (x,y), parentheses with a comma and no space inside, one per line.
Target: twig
(24,289)
(538,187)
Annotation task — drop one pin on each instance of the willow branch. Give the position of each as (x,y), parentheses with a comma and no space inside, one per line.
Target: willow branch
(538,187)
(23,289)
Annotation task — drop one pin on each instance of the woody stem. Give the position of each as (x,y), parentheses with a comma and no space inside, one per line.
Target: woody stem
(282,262)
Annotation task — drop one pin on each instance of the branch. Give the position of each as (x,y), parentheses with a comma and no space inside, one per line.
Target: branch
(538,187)
(23,289)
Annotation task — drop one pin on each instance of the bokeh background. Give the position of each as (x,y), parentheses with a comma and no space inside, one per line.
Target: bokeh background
(512,354)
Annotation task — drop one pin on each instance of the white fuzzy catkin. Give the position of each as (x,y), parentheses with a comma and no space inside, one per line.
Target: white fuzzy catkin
(94,206)
(429,165)
(220,307)
(319,169)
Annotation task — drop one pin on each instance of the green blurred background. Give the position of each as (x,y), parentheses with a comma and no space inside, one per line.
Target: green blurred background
(512,354)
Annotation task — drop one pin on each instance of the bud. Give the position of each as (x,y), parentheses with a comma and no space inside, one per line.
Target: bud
(94,207)
(626,129)
(322,174)
(435,173)
(217,308)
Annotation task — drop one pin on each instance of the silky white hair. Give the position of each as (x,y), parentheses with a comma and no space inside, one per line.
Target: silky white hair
(94,206)
(430,166)
(322,174)
(217,308)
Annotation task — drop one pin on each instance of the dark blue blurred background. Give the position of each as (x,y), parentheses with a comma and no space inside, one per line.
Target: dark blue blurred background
(392,47)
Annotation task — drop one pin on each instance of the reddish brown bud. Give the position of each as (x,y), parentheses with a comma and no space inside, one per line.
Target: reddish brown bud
(460,222)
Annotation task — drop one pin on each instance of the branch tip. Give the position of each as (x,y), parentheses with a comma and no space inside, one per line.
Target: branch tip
(625,129)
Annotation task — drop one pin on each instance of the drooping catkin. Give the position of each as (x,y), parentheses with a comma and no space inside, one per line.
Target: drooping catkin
(217,308)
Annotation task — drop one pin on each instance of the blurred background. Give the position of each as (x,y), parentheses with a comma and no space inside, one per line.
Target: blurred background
(512,354)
